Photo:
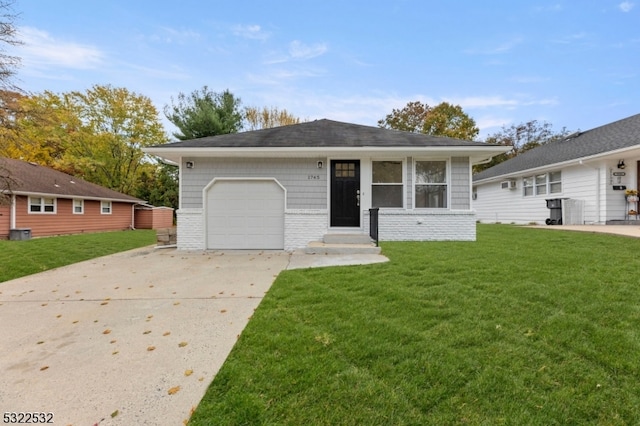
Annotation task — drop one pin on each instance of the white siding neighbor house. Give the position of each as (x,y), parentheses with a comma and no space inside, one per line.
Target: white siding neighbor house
(284,187)
(588,176)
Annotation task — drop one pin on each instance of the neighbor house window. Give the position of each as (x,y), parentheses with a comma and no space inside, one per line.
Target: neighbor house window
(386,184)
(555,182)
(105,207)
(542,184)
(431,184)
(78,206)
(42,205)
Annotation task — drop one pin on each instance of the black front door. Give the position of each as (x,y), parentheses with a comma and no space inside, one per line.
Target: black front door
(345,193)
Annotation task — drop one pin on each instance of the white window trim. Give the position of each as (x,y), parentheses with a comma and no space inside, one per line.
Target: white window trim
(73,206)
(403,162)
(534,185)
(42,205)
(448,183)
(102,205)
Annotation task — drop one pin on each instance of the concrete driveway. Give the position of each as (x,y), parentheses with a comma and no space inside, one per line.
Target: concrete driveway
(129,339)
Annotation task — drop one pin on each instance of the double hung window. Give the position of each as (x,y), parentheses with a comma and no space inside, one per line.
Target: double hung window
(387,187)
(42,205)
(431,186)
(542,184)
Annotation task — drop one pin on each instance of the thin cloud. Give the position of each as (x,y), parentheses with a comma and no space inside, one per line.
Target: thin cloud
(174,36)
(498,49)
(252,32)
(626,6)
(299,50)
(571,38)
(41,49)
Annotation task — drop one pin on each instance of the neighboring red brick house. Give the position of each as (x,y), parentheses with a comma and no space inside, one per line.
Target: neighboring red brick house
(49,202)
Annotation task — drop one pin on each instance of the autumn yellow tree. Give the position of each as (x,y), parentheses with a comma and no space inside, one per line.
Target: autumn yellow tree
(442,120)
(120,123)
(256,118)
(411,118)
(97,135)
(43,126)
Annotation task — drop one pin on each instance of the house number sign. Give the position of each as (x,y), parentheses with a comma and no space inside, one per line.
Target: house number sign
(313,177)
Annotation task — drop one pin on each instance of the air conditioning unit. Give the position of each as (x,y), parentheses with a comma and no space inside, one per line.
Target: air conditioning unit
(508,184)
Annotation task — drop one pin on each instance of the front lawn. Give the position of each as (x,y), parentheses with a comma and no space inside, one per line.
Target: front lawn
(20,258)
(524,326)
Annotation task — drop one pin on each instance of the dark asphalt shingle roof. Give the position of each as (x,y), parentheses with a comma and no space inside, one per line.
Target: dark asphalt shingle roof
(29,178)
(620,134)
(320,133)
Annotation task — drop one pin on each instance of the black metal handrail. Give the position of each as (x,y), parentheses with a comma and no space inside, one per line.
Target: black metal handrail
(373,224)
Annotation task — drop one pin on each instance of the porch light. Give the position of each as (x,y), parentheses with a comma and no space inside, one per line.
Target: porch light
(621,164)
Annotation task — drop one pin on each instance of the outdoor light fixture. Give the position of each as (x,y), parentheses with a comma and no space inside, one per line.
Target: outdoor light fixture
(319,164)
(621,164)
(190,164)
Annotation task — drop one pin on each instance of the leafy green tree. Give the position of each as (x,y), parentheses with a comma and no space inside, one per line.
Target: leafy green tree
(521,138)
(158,185)
(120,123)
(451,121)
(204,113)
(265,118)
(442,120)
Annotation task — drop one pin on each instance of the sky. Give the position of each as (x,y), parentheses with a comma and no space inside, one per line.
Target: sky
(574,64)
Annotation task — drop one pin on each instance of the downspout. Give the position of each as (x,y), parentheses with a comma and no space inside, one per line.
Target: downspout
(597,169)
(13,212)
(133,217)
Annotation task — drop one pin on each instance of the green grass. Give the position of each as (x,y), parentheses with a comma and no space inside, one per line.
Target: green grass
(21,258)
(522,327)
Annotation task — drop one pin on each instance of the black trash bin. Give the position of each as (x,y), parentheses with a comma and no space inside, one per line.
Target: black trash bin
(555,207)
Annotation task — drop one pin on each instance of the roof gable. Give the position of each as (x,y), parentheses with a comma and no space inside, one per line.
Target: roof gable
(618,135)
(321,133)
(31,178)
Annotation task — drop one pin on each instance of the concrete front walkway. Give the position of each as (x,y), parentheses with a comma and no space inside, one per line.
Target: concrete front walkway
(133,338)
(627,230)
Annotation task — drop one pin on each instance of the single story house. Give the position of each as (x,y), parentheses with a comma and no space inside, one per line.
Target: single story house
(586,176)
(283,187)
(47,202)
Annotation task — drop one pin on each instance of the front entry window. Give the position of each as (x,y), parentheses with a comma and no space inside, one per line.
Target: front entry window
(387,186)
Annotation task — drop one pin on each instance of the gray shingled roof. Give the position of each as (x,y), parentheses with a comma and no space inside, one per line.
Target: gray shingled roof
(31,178)
(620,134)
(320,133)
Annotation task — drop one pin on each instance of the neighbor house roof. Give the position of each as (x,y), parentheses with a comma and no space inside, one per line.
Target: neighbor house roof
(26,178)
(319,136)
(617,136)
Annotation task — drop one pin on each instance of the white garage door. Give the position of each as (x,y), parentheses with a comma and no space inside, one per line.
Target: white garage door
(245,214)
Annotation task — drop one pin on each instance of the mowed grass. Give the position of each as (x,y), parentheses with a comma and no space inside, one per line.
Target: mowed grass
(21,258)
(522,327)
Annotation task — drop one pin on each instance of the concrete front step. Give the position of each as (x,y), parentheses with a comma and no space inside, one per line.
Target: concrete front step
(346,239)
(319,247)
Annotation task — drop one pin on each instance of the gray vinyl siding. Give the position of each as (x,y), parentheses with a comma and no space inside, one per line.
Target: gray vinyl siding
(306,185)
(460,183)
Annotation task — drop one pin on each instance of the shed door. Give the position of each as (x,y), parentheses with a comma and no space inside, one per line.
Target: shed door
(245,214)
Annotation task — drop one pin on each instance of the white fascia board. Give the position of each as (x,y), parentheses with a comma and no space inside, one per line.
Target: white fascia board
(73,197)
(575,161)
(476,153)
